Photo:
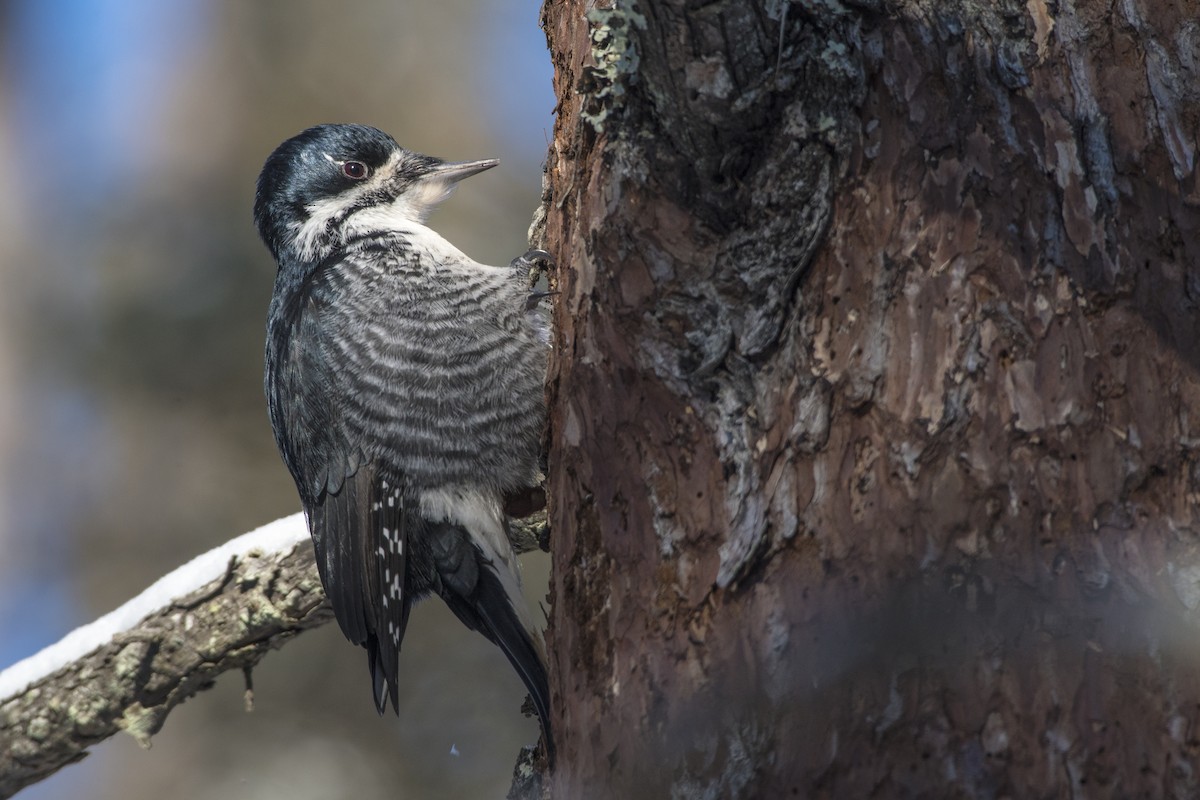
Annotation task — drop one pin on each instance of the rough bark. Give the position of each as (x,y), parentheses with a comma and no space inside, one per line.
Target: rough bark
(875,419)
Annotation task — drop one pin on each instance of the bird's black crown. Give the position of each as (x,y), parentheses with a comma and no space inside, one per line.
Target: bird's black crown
(353,167)
(308,168)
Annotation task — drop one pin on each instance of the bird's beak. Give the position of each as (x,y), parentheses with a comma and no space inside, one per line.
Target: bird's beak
(453,172)
(435,184)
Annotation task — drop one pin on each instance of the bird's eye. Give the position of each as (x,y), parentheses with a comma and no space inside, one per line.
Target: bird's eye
(355,170)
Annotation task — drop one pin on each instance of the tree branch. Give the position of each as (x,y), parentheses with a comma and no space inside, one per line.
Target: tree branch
(127,670)
(132,681)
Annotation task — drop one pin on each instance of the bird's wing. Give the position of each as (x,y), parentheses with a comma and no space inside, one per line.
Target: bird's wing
(411,384)
(451,396)
(358,512)
(360,533)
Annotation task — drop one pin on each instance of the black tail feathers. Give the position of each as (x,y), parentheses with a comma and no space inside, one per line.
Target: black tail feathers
(489,610)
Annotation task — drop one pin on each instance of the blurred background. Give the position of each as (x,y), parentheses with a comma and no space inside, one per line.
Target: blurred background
(133,295)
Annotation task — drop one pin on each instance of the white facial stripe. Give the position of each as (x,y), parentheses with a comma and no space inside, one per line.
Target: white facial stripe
(309,233)
(424,196)
(378,177)
(406,213)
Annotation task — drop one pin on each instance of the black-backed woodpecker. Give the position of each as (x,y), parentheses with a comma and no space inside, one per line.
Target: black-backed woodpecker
(405,387)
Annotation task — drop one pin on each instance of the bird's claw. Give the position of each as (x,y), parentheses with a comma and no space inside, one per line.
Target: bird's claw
(532,259)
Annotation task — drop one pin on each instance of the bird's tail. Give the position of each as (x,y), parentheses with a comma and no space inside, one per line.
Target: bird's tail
(490,610)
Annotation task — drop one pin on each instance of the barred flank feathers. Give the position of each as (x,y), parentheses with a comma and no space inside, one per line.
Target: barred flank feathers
(404,383)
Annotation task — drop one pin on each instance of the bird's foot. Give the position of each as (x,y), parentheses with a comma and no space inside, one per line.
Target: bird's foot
(525,502)
(535,262)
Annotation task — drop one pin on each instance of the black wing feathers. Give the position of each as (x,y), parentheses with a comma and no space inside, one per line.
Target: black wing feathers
(340,534)
(333,403)
(361,538)
(390,592)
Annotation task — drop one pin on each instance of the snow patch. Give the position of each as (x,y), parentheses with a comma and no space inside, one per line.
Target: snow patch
(276,537)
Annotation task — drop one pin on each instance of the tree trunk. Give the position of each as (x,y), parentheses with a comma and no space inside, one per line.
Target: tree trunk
(875,409)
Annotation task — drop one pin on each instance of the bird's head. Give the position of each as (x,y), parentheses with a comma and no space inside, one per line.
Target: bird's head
(333,181)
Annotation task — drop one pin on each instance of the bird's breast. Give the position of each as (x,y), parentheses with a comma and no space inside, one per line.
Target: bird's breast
(426,375)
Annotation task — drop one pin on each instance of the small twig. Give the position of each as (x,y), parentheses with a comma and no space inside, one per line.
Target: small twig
(247,673)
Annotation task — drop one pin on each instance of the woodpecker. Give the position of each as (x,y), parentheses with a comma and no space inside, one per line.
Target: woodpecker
(404,384)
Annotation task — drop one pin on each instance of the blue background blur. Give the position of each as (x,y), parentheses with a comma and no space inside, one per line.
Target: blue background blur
(133,293)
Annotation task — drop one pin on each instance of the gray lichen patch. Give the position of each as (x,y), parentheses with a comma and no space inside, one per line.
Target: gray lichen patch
(141,723)
(615,53)
(132,682)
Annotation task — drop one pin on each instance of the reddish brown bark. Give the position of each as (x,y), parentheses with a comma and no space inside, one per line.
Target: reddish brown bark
(875,399)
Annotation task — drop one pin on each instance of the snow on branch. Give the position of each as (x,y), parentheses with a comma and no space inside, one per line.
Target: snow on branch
(223,610)
(128,669)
